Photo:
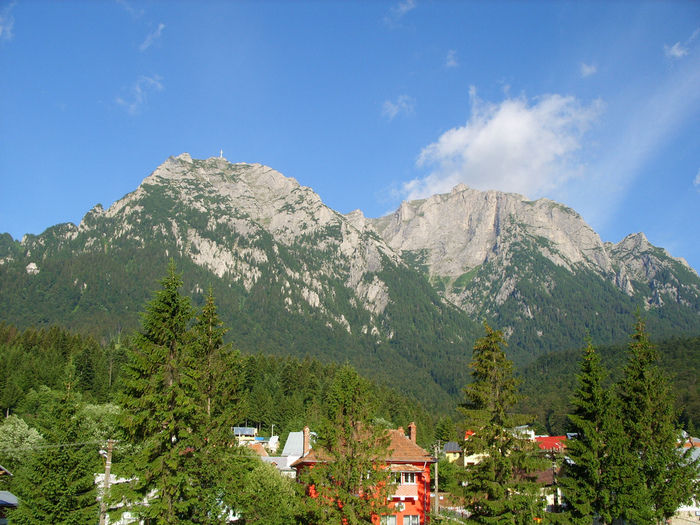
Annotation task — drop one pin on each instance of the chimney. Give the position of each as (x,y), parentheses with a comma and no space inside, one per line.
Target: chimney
(412,432)
(307,444)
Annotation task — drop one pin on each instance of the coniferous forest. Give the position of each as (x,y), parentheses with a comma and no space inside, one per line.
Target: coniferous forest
(166,397)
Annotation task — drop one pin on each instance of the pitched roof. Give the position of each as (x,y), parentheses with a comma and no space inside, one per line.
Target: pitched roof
(556,443)
(401,450)
(452,447)
(7,499)
(258,448)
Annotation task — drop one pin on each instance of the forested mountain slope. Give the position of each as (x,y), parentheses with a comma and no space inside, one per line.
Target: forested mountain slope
(401,298)
(538,271)
(291,276)
(549,382)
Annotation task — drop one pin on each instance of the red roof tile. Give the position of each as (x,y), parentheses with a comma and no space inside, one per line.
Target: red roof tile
(401,450)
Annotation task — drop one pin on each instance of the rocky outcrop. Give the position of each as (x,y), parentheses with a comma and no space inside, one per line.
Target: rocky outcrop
(454,237)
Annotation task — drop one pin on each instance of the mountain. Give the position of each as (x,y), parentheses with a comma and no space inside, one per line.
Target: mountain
(537,270)
(400,297)
(291,276)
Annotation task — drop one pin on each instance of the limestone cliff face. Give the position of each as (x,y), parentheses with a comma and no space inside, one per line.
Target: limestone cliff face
(467,240)
(533,268)
(222,212)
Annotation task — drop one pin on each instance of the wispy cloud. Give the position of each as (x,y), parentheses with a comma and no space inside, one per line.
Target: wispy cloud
(397,13)
(516,146)
(451,58)
(588,69)
(404,104)
(679,50)
(136,13)
(7,23)
(697,179)
(139,94)
(150,39)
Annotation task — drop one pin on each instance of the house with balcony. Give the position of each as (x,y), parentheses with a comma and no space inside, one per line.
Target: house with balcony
(410,468)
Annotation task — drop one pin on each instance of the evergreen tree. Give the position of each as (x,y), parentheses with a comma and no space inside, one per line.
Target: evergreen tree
(350,484)
(219,467)
(599,477)
(650,423)
(499,488)
(56,483)
(160,410)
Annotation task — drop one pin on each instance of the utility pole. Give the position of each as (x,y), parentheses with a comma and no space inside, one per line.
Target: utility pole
(105,488)
(437,491)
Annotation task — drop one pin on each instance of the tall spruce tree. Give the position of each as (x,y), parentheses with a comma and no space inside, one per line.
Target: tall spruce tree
(350,484)
(220,469)
(56,483)
(161,414)
(499,488)
(650,423)
(602,476)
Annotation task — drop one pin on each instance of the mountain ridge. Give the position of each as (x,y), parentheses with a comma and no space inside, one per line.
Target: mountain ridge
(401,297)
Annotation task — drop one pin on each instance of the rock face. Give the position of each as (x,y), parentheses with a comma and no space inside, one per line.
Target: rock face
(402,295)
(248,201)
(452,237)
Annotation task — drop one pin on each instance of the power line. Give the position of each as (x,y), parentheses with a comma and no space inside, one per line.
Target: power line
(58,445)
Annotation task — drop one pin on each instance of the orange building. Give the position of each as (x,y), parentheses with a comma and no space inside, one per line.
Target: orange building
(410,465)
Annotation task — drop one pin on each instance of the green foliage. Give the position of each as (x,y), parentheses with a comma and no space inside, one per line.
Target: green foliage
(598,456)
(160,410)
(17,439)
(56,483)
(627,462)
(348,485)
(267,498)
(499,487)
(650,424)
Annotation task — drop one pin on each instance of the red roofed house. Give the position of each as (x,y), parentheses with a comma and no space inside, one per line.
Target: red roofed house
(551,443)
(410,465)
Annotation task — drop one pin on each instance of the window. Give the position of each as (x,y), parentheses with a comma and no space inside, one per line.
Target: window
(388,520)
(411,520)
(409,478)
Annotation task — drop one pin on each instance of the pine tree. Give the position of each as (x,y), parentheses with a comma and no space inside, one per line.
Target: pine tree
(499,487)
(219,468)
(220,374)
(161,413)
(650,423)
(601,471)
(350,485)
(56,484)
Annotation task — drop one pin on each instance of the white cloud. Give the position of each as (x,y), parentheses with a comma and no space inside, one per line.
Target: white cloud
(679,50)
(136,13)
(140,92)
(396,13)
(7,23)
(452,58)
(588,69)
(514,146)
(404,104)
(697,179)
(150,39)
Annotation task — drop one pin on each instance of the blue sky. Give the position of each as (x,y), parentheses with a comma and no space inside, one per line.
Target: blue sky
(593,104)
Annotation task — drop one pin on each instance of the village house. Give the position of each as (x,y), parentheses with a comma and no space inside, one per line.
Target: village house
(410,466)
